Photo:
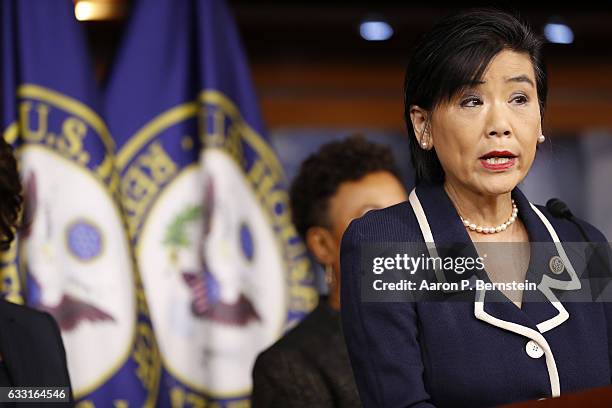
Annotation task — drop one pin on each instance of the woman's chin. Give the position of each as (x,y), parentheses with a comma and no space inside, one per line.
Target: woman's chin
(498,184)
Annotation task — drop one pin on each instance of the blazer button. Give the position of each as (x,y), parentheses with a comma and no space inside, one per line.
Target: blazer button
(533,349)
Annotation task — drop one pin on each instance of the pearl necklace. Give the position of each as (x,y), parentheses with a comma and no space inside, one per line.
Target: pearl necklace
(492,230)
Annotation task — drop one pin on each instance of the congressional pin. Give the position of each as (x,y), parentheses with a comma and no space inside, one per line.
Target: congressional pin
(556,265)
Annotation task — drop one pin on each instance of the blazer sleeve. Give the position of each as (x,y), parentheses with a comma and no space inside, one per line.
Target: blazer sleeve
(608,312)
(381,337)
(601,259)
(599,265)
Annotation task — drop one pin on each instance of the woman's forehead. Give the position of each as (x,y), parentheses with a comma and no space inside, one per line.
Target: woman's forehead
(510,66)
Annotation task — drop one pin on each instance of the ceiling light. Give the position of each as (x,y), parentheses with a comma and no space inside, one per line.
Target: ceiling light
(375,30)
(558,33)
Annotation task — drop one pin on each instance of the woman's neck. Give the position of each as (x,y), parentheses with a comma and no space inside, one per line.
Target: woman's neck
(480,209)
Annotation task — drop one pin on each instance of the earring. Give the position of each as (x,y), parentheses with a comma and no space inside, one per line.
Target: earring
(424,143)
(329,275)
(541,139)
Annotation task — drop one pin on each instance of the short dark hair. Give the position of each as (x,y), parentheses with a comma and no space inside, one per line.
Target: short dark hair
(454,54)
(10,195)
(321,174)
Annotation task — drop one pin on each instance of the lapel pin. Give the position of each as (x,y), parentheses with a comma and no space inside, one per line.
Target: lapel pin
(556,265)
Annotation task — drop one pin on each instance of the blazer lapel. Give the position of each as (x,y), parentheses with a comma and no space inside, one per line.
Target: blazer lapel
(445,235)
(546,248)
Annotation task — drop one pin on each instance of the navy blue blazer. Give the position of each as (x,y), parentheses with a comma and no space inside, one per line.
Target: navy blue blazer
(472,353)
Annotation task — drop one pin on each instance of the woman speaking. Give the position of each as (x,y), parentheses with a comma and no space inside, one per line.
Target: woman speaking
(475,93)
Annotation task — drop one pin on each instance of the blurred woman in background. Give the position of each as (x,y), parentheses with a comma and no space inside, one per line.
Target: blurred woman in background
(309,366)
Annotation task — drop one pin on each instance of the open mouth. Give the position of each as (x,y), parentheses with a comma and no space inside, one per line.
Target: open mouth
(498,160)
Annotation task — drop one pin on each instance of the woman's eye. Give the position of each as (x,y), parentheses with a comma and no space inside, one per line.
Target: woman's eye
(471,102)
(520,99)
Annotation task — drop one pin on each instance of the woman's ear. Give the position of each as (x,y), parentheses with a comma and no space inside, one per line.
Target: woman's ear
(540,131)
(322,245)
(419,118)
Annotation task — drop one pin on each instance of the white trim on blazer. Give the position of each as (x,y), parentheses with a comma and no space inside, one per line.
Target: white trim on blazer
(545,287)
(551,365)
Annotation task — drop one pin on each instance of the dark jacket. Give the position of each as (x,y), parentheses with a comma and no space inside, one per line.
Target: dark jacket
(479,352)
(32,349)
(308,367)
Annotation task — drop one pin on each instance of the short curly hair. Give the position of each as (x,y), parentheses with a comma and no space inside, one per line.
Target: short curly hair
(321,174)
(10,195)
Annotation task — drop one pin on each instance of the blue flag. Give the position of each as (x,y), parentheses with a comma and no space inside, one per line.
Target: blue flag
(223,268)
(72,257)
